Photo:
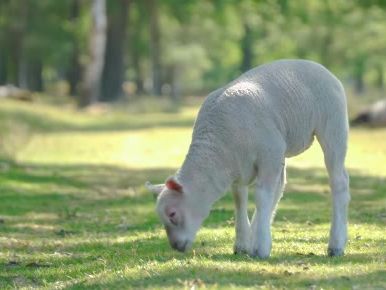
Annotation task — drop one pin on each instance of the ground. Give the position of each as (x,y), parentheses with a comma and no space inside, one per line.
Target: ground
(74,212)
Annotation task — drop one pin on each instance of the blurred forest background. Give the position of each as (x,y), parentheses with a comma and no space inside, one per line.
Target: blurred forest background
(97,50)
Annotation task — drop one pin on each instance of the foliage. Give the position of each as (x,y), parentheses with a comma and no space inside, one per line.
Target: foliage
(203,44)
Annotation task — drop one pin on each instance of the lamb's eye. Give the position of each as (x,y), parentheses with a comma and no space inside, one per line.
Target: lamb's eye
(170,223)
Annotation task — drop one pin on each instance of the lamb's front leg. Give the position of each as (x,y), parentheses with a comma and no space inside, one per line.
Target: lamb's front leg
(243,231)
(261,241)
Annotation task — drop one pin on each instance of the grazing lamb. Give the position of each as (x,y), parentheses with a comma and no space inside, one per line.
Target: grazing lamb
(243,133)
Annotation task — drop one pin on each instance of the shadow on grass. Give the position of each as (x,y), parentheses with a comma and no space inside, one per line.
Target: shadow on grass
(83,183)
(86,210)
(51,188)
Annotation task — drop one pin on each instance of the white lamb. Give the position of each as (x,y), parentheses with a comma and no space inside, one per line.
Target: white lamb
(243,133)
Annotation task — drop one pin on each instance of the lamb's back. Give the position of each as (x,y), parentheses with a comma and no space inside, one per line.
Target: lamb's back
(278,103)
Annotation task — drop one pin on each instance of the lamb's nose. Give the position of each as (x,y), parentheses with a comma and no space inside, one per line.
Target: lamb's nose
(180,245)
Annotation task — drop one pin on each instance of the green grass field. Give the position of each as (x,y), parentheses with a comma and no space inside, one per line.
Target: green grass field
(74,212)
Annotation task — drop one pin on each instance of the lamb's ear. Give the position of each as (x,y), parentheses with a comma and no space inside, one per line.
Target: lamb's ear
(154,188)
(172,184)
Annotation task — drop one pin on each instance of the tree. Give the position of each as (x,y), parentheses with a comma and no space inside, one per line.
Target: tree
(155,45)
(138,45)
(16,32)
(3,62)
(93,71)
(358,74)
(115,64)
(73,71)
(29,45)
(380,82)
(192,46)
(246,49)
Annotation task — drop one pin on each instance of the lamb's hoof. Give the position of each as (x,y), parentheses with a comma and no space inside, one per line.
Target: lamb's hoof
(335,252)
(256,254)
(239,250)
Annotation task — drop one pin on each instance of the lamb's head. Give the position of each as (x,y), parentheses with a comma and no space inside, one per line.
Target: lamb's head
(179,213)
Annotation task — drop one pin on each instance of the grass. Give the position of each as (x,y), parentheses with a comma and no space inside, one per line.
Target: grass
(74,213)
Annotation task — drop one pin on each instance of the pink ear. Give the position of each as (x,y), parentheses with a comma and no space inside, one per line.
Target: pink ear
(172,184)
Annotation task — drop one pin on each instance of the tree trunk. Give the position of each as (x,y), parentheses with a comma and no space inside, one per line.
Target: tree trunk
(73,73)
(35,76)
(30,75)
(359,72)
(93,71)
(139,82)
(175,85)
(138,46)
(246,49)
(114,69)
(16,36)
(358,83)
(328,38)
(3,67)
(23,73)
(380,77)
(171,78)
(327,41)
(155,46)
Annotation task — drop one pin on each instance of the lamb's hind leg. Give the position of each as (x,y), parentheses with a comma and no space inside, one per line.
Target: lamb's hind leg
(243,231)
(334,145)
(279,191)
